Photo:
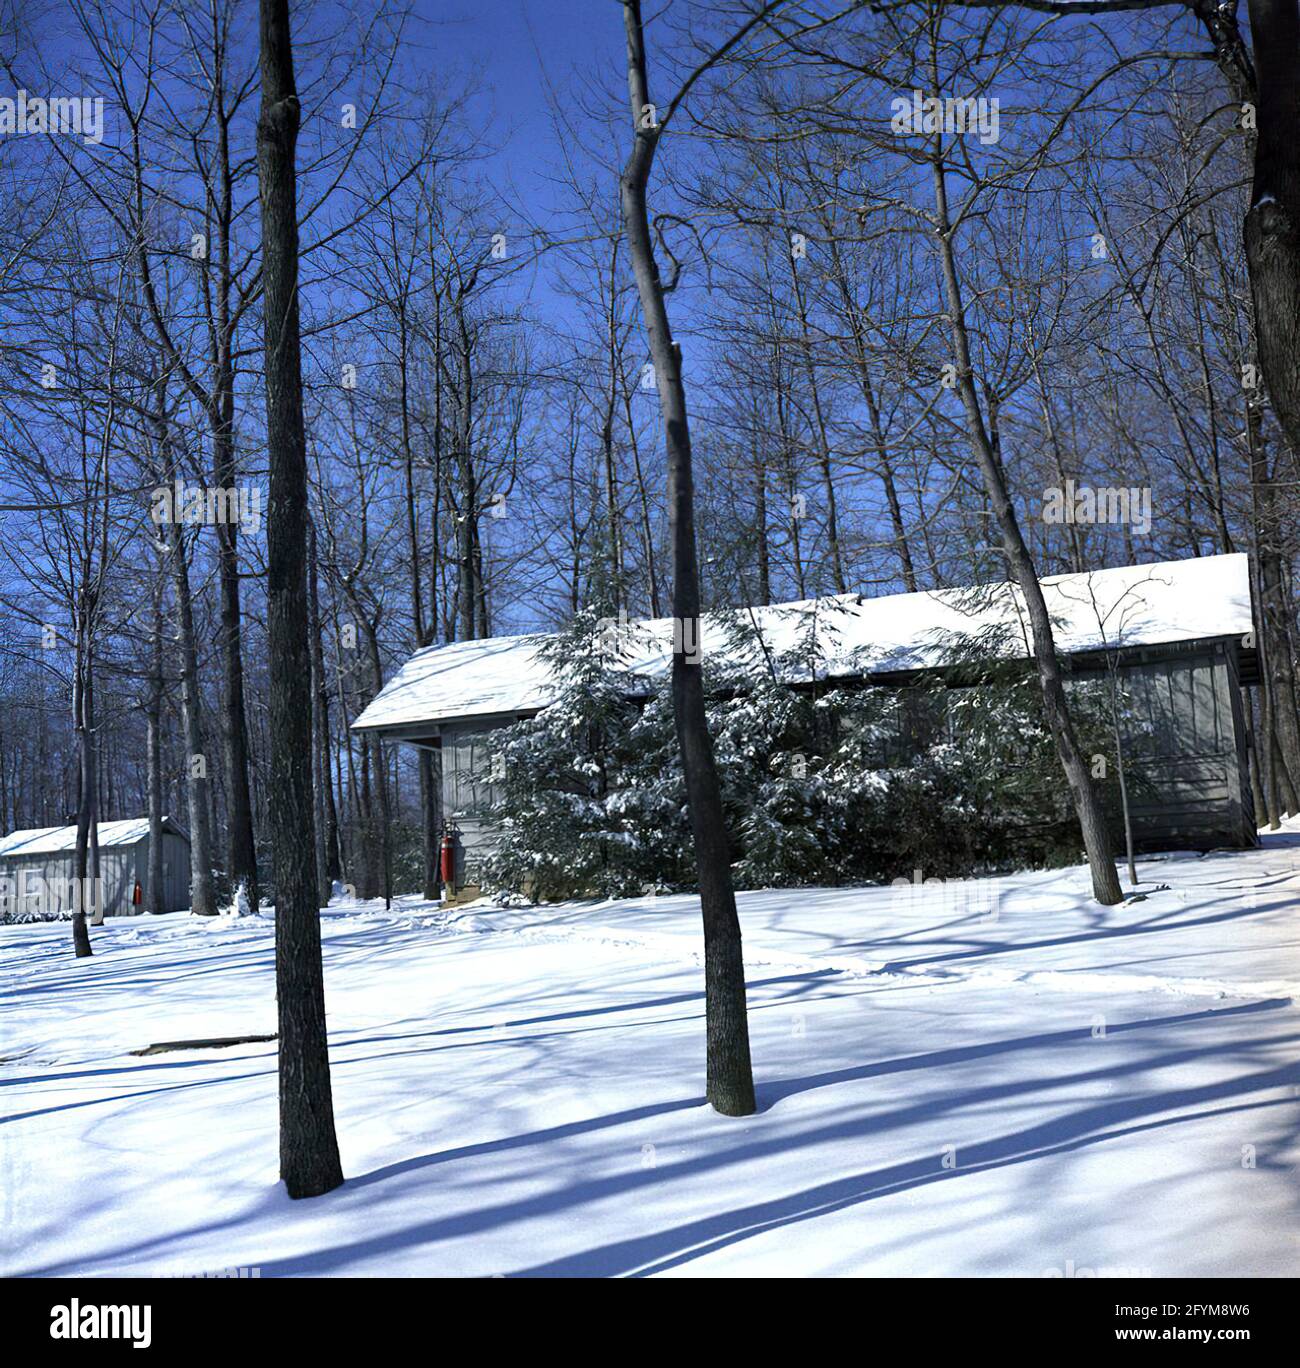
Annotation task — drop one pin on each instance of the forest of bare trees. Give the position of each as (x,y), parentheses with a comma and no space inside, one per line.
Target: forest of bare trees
(895,340)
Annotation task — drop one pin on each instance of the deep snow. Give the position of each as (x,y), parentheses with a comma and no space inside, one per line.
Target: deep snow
(1055,1089)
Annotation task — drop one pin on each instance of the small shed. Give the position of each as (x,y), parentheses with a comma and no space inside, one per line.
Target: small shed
(1180,634)
(38,869)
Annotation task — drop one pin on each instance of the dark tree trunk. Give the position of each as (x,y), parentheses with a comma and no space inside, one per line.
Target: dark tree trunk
(430,824)
(1266,750)
(368,858)
(1096,840)
(241,851)
(321,723)
(309,1154)
(385,826)
(429,820)
(763,546)
(730,1076)
(884,462)
(86,799)
(172,546)
(92,892)
(1272,228)
(820,427)
(467,586)
(153,748)
(1276,655)
(381,768)
(1112,672)
(320,777)
(1272,640)
(615,596)
(643,500)
(1272,238)
(202,897)
(1252,757)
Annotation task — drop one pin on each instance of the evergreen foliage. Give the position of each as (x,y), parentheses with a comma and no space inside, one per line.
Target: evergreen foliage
(823,784)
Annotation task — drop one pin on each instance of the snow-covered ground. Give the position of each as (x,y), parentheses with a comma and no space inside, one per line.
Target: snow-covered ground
(993,1078)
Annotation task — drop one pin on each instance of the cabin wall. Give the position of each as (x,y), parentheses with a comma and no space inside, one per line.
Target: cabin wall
(468,790)
(45,883)
(117,876)
(176,872)
(31,884)
(1184,739)
(22,878)
(1185,749)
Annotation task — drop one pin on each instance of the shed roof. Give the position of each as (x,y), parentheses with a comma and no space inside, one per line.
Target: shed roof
(60,840)
(1139,605)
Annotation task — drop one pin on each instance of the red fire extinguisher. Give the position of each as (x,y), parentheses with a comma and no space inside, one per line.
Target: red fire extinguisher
(448,861)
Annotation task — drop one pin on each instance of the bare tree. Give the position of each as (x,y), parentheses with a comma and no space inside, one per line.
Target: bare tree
(1096,840)
(730,1074)
(309,1156)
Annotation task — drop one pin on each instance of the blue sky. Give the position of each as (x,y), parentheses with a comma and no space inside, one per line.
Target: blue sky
(518,47)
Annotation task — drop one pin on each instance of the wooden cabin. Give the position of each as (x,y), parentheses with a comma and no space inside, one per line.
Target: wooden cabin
(1179,634)
(38,869)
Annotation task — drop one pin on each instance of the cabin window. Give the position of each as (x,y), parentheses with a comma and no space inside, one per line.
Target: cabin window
(1172,708)
(468,787)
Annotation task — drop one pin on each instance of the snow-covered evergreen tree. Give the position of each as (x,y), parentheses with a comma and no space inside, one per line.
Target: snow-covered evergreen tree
(590,796)
(822,783)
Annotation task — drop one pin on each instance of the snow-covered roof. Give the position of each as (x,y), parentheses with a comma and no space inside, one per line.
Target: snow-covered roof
(1139,605)
(465,679)
(59,840)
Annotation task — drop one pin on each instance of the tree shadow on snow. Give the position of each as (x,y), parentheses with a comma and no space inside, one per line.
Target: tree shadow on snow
(1112,1118)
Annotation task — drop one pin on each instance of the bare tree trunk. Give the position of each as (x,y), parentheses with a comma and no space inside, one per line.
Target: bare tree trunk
(1277,675)
(429,834)
(348,823)
(884,461)
(381,769)
(368,873)
(321,790)
(819,425)
(1272,228)
(241,845)
(202,898)
(1277,660)
(1252,757)
(309,1154)
(730,1075)
(643,502)
(1096,840)
(94,890)
(385,824)
(430,823)
(80,936)
(1266,749)
(1112,671)
(333,848)
(333,868)
(615,594)
(1281,780)
(467,587)
(241,849)
(762,545)
(153,749)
